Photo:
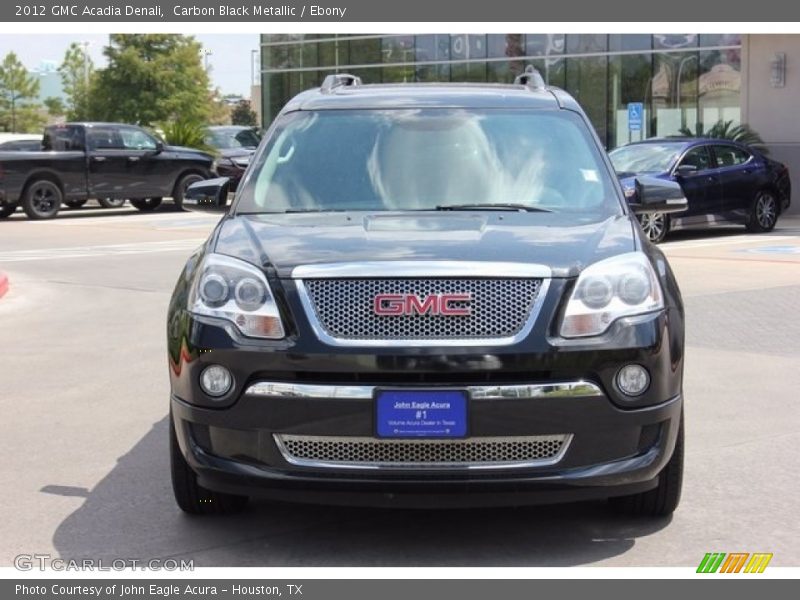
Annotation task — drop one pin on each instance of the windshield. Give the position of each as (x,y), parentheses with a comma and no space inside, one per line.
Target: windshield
(233,138)
(645,158)
(381,160)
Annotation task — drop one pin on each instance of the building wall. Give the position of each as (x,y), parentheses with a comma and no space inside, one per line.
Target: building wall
(772,111)
(682,80)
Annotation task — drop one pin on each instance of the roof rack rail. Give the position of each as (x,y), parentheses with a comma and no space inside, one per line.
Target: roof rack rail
(530,78)
(331,82)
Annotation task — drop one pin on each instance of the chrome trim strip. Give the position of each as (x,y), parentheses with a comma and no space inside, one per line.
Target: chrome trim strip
(568,389)
(323,464)
(421,268)
(313,319)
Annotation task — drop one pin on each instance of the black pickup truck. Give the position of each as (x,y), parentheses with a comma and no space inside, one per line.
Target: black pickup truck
(110,161)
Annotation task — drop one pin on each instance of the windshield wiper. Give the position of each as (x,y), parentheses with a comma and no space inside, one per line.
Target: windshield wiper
(478,206)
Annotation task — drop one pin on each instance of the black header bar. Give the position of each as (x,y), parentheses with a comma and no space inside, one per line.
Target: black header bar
(440,11)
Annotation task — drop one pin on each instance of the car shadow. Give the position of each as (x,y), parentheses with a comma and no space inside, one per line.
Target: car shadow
(130,513)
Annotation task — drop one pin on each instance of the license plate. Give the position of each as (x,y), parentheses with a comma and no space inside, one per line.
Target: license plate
(421,414)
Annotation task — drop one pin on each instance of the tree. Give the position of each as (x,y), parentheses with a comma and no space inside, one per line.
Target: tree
(726,130)
(17,91)
(152,78)
(77,73)
(55,106)
(220,111)
(242,114)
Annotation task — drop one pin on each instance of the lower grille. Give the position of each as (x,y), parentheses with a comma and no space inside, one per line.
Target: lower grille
(366,452)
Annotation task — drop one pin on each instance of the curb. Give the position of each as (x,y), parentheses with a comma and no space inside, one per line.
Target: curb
(3,284)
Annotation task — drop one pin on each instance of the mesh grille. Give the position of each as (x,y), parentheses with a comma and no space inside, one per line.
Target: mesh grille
(499,308)
(357,451)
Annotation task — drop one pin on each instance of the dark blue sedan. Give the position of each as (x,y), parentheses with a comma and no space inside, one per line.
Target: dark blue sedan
(725,183)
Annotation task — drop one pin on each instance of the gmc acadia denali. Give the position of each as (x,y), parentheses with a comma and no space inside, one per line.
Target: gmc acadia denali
(428,294)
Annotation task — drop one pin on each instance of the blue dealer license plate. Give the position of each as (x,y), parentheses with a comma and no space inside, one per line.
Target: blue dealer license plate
(421,413)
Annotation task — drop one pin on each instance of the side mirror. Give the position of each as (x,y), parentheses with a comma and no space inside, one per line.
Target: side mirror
(159,147)
(656,195)
(684,170)
(209,196)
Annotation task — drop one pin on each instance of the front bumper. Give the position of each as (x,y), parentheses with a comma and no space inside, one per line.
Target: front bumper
(611,451)
(617,445)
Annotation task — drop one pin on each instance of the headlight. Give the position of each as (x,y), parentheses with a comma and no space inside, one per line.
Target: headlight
(237,291)
(241,161)
(620,286)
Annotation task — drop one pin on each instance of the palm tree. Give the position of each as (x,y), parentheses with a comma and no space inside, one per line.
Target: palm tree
(726,130)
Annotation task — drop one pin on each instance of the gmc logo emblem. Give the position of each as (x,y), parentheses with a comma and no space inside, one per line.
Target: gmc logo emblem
(435,304)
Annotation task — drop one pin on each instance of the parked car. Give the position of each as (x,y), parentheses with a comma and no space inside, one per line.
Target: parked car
(235,145)
(20,142)
(428,295)
(725,182)
(110,161)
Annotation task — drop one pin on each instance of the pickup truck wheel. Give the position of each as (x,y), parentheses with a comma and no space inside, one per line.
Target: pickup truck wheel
(191,497)
(664,498)
(111,202)
(42,200)
(7,210)
(183,185)
(146,204)
(75,203)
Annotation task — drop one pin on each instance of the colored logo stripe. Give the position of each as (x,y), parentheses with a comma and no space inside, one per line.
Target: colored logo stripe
(734,562)
(758,563)
(717,561)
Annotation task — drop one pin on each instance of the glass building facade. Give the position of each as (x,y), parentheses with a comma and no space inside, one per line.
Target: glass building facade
(683,80)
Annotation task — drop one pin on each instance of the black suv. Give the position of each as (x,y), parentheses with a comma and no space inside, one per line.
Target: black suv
(428,294)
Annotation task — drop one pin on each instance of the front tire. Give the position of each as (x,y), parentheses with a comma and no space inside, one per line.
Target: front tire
(191,497)
(763,213)
(183,184)
(655,226)
(42,200)
(111,202)
(665,497)
(146,204)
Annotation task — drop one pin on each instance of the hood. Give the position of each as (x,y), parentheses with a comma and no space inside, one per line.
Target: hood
(235,152)
(563,242)
(185,150)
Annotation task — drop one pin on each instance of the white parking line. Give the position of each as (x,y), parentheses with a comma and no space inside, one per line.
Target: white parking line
(749,239)
(156,221)
(106,250)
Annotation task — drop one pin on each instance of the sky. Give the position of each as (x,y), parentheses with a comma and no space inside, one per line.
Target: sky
(229,61)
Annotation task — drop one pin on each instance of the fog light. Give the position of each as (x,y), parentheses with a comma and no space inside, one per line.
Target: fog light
(216,380)
(633,380)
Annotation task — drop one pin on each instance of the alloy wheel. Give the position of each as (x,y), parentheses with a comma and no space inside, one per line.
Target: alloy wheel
(654,226)
(43,200)
(766,210)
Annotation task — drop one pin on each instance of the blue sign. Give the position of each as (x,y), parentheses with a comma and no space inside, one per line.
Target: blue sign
(421,413)
(635,116)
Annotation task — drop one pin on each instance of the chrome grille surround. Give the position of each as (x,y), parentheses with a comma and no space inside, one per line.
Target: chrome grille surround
(504,310)
(470,453)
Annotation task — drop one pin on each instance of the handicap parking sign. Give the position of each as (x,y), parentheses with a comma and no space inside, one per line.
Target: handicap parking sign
(635,115)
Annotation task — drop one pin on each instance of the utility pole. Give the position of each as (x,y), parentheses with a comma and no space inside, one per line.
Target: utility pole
(85,45)
(206,54)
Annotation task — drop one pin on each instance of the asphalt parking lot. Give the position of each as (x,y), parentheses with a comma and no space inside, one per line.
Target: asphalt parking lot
(84,399)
